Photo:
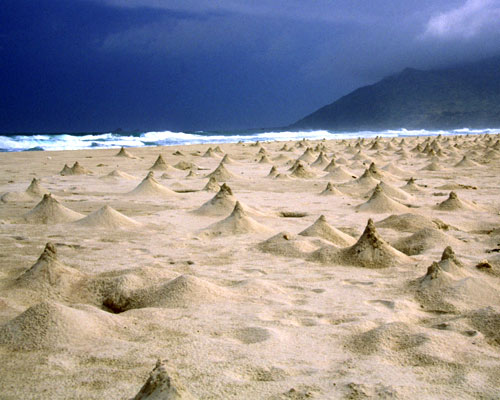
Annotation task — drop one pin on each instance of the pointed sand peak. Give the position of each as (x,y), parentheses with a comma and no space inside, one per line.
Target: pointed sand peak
(163,384)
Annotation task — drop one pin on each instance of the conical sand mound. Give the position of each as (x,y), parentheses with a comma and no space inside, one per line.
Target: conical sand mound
(149,187)
(50,211)
(331,190)
(301,172)
(411,223)
(433,166)
(49,325)
(307,156)
(161,165)
(379,203)
(272,172)
(412,187)
(321,228)
(364,182)
(393,192)
(210,153)
(339,174)
(453,203)
(228,160)
(35,189)
(287,245)
(466,163)
(238,223)
(423,240)
(212,185)
(370,251)
(264,159)
(451,291)
(379,174)
(118,175)
(321,162)
(124,153)
(185,165)
(163,384)
(48,276)
(331,166)
(109,218)
(76,169)
(221,173)
(394,340)
(221,204)
(183,291)
(66,170)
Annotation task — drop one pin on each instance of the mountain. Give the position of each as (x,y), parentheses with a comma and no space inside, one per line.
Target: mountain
(461,96)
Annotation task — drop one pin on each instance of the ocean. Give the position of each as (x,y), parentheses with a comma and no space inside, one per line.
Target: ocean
(66,141)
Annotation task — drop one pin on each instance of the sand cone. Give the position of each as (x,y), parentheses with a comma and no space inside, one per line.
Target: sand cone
(453,203)
(48,275)
(124,153)
(66,171)
(411,223)
(370,251)
(163,384)
(394,192)
(379,202)
(237,223)
(340,174)
(331,190)
(185,165)
(50,211)
(264,160)
(273,172)
(212,185)
(221,173)
(412,187)
(287,245)
(210,153)
(466,163)
(433,166)
(221,204)
(331,166)
(300,171)
(321,161)
(307,156)
(321,228)
(424,240)
(107,217)
(219,151)
(49,325)
(160,165)
(77,169)
(228,160)
(150,187)
(35,189)
(117,174)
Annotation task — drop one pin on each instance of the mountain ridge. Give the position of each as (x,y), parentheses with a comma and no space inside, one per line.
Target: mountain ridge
(466,95)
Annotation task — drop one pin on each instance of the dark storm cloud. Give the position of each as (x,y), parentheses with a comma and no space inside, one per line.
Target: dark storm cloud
(160,64)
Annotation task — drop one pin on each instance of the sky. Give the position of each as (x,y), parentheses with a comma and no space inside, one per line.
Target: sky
(184,65)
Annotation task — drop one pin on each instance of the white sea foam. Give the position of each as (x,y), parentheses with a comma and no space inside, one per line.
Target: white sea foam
(169,138)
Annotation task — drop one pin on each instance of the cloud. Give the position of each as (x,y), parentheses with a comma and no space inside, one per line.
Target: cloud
(319,10)
(466,21)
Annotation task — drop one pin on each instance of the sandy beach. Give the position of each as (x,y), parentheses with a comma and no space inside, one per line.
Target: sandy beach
(339,269)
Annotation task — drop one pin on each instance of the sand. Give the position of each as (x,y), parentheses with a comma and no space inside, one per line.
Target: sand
(342,269)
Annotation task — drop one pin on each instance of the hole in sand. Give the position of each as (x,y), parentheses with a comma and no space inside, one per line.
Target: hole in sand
(292,214)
